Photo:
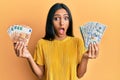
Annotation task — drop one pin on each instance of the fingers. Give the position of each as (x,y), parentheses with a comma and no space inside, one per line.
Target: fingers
(96,47)
(93,50)
(18,46)
(20,49)
(90,50)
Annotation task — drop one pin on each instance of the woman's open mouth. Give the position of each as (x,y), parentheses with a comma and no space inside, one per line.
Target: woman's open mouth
(61,31)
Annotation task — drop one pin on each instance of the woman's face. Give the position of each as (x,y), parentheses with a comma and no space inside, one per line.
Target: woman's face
(61,22)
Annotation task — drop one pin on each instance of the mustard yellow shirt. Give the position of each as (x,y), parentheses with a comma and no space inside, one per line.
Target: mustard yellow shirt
(60,57)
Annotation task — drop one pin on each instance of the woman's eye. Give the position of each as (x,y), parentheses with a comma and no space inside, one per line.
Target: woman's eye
(56,18)
(66,18)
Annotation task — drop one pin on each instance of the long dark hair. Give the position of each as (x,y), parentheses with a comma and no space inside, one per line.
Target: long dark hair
(50,33)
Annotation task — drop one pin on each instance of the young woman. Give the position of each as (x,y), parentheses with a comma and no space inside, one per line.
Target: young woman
(59,55)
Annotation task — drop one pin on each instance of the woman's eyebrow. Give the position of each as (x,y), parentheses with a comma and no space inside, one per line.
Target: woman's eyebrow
(57,15)
(66,15)
(60,15)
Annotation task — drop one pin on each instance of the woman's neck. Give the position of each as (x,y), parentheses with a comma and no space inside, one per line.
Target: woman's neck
(60,37)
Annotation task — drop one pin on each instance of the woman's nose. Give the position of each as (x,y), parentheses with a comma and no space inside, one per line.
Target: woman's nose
(62,22)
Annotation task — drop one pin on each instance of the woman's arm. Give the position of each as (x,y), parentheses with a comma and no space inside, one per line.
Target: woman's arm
(38,70)
(82,67)
(92,53)
(22,51)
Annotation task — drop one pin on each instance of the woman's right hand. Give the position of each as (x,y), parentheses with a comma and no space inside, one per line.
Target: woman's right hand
(21,49)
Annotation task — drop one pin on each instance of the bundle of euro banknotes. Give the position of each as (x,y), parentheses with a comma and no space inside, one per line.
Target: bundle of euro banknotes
(19,33)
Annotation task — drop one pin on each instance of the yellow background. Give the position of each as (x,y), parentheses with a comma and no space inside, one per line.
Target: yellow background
(34,13)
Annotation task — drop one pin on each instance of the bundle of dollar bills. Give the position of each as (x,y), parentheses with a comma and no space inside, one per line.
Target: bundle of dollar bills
(92,32)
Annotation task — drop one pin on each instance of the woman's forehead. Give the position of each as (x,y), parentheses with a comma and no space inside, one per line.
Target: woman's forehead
(60,12)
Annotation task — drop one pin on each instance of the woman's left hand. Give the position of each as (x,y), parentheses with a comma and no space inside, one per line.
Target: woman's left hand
(92,52)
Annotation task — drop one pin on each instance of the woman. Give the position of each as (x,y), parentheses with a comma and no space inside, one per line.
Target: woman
(59,55)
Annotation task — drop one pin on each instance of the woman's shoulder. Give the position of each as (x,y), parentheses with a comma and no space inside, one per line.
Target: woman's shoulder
(41,41)
(76,38)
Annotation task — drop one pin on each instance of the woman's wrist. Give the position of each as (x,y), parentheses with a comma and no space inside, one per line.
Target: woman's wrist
(28,56)
(85,56)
